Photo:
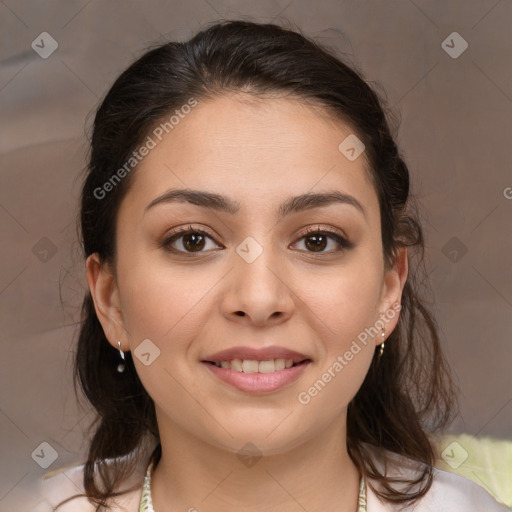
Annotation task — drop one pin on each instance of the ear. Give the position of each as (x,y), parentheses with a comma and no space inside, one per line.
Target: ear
(105,295)
(391,296)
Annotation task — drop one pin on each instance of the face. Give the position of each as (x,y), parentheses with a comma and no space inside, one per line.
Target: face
(272,278)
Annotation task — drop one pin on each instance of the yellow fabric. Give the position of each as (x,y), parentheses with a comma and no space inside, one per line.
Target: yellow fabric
(486,461)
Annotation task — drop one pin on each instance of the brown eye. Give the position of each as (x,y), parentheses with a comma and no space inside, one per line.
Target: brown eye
(317,240)
(188,241)
(193,242)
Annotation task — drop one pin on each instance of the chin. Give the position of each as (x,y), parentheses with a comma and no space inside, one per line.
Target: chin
(262,443)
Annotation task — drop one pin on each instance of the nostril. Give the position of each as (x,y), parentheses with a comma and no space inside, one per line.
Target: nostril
(240,313)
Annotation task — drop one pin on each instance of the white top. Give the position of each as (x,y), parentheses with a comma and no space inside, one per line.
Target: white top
(449,492)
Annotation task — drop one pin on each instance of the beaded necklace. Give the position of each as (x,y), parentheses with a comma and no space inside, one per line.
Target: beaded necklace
(146,503)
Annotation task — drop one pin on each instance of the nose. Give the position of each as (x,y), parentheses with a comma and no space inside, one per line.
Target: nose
(258,292)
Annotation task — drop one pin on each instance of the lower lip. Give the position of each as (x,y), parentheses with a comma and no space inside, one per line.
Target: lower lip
(258,382)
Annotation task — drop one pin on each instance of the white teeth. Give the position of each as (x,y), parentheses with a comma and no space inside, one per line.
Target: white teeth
(280,364)
(249,366)
(266,366)
(253,366)
(236,365)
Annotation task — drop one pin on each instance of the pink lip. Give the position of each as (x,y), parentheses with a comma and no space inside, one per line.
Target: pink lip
(262,354)
(258,382)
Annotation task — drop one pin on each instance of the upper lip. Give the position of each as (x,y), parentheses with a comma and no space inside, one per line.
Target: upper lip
(256,354)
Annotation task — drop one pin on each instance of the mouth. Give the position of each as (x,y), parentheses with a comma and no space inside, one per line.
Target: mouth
(257,366)
(257,376)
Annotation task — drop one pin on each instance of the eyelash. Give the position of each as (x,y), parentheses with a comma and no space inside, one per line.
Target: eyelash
(180,232)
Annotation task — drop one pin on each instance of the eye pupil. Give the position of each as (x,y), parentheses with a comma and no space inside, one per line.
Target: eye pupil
(318,242)
(197,241)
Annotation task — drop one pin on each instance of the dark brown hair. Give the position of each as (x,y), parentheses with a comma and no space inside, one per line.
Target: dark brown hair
(407,393)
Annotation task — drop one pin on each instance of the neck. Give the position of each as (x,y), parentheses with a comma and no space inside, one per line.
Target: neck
(193,475)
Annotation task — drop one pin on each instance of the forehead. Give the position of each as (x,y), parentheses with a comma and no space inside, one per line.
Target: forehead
(249,149)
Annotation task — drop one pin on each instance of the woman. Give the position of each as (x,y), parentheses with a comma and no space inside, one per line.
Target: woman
(254,335)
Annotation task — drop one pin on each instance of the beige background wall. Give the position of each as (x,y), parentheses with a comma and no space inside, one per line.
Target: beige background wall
(455,133)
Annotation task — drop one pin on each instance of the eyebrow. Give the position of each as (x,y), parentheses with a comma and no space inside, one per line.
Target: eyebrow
(225,204)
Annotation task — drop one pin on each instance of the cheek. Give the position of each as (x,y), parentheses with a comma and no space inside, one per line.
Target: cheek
(166,305)
(159,300)
(344,301)
(344,307)
(344,312)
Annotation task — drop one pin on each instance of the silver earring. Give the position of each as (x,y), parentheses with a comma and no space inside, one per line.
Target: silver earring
(383,335)
(120,366)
